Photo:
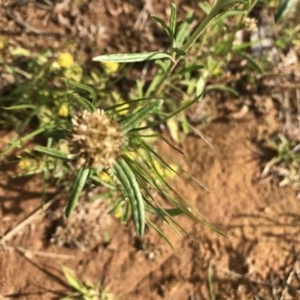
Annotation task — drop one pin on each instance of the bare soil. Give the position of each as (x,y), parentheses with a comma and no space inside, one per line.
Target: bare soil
(258,258)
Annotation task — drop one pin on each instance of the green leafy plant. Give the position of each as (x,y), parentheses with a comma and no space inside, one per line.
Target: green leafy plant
(90,132)
(285,161)
(85,291)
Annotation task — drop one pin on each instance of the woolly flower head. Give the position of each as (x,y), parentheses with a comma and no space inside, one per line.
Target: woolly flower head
(96,140)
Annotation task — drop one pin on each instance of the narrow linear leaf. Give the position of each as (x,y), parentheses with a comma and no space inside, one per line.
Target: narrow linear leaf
(219,7)
(133,193)
(223,88)
(132,57)
(183,30)
(21,140)
(53,152)
(141,114)
(126,214)
(254,63)
(229,13)
(189,69)
(172,212)
(164,26)
(179,51)
(19,107)
(83,87)
(76,189)
(287,10)
(84,103)
(173,18)
(160,232)
(72,279)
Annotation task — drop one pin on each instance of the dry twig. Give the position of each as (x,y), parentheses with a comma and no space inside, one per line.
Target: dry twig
(10,234)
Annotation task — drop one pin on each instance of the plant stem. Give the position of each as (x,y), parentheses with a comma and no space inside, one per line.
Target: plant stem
(159,81)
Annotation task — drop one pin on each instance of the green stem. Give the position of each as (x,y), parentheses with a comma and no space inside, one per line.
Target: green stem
(220,6)
(158,83)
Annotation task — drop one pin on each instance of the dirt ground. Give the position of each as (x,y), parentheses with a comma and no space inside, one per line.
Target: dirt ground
(259,258)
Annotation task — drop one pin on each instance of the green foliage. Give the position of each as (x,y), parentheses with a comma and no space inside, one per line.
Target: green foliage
(285,160)
(65,113)
(288,12)
(85,291)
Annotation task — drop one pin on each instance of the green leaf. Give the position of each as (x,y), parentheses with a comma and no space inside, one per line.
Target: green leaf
(173,18)
(164,26)
(219,8)
(22,140)
(229,13)
(172,125)
(139,115)
(53,152)
(223,88)
(160,232)
(76,189)
(254,63)
(84,103)
(179,52)
(282,9)
(83,87)
(72,279)
(205,6)
(132,57)
(183,30)
(188,69)
(133,193)
(21,106)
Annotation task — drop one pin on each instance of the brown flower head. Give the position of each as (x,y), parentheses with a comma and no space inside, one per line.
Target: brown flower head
(96,140)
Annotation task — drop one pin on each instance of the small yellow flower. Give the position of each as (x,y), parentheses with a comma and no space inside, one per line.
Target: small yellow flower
(74,72)
(104,177)
(27,164)
(119,210)
(65,60)
(118,214)
(24,164)
(63,111)
(63,146)
(110,66)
